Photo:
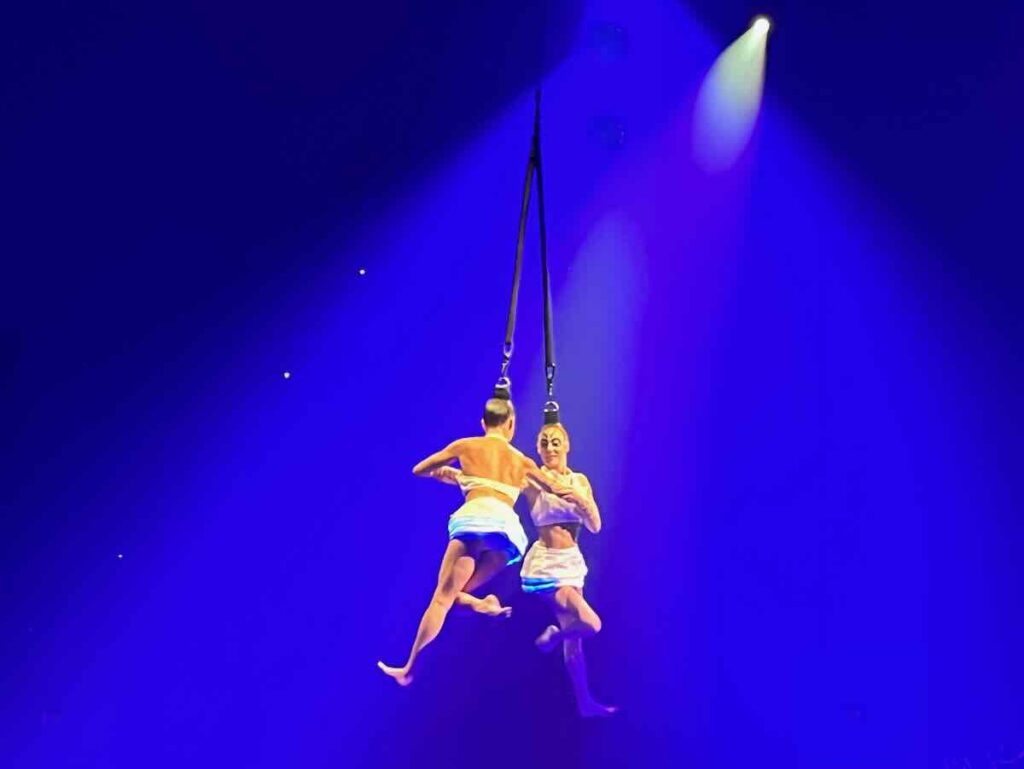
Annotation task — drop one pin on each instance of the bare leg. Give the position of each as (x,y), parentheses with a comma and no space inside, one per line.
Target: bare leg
(576,666)
(456,568)
(489,563)
(576,620)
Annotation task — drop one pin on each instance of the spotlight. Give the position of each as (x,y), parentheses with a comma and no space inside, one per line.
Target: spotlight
(362,270)
(730,99)
(287,374)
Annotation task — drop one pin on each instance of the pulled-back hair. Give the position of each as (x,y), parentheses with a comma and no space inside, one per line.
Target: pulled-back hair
(497,411)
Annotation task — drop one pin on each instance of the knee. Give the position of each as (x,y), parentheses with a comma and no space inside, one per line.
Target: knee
(444,596)
(592,623)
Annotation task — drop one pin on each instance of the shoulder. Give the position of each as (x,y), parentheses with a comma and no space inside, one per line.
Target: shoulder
(528,463)
(581,479)
(459,445)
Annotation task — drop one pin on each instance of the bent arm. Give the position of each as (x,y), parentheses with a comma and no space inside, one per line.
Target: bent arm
(536,478)
(445,456)
(447,474)
(588,508)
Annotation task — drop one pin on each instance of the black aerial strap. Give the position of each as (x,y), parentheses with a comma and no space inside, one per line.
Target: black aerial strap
(551,406)
(503,388)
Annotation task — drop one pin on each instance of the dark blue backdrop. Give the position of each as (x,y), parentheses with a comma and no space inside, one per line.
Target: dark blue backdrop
(794,384)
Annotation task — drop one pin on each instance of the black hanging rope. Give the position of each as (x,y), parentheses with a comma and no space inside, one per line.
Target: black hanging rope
(503,387)
(551,415)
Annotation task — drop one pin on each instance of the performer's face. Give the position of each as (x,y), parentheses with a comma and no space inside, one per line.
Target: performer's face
(553,446)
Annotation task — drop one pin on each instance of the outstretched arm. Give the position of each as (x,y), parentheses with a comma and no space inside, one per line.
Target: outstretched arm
(445,456)
(536,478)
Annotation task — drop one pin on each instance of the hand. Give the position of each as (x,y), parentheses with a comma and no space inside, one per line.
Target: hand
(570,495)
(447,474)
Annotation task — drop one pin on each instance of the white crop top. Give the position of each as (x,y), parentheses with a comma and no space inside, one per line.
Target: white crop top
(550,508)
(470,482)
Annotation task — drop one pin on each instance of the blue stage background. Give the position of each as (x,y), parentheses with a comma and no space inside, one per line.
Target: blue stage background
(794,384)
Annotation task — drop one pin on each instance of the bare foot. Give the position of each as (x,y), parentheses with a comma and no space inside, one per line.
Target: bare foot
(492,607)
(401,675)
(549,639)
(595,709)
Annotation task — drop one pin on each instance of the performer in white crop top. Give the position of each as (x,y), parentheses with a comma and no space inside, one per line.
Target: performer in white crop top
(554,568)
(485,534)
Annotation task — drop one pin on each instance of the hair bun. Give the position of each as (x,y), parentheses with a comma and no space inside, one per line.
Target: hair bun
(551,413)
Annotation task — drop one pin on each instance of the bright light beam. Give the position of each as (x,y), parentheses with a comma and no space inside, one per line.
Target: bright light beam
(730,99)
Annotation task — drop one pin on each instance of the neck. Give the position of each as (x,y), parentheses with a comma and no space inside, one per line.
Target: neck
(562,467)
(495,434)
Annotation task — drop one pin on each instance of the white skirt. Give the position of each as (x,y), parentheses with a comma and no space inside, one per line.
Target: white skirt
(547,568)
(487,516)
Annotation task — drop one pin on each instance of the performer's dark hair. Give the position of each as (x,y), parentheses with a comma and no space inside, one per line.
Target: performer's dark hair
(497,411)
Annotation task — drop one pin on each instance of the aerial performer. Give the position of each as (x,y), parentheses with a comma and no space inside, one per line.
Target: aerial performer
(484,534)
(554,568)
